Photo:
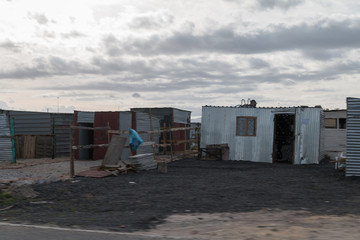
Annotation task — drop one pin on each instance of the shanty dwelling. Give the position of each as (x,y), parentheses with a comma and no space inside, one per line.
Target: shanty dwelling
(118,120)
(171,118)
(353,137)
(41,134)
(335,132)
(6,149)
(289,135)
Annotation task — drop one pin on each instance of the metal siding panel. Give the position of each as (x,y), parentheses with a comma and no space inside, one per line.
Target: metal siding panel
(62,124)
(143,124)
(181,116)
(218,126)
(103,119)
(31,123)
(125,122)
(5,143)
(353,137)
(86,117)
(165,114)
(308,135)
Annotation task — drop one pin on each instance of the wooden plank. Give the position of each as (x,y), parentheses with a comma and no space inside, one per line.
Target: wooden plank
(114,151)
(89,146)
(29,146)
(90,128)
(155,131)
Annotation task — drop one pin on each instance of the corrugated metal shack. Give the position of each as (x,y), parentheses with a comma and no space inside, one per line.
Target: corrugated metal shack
(171,118)
(353,137)
(36,134)
(290,135)
(118,120)
(335,132)
(5,134)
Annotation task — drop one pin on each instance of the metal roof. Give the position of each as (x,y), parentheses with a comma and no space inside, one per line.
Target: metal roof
(261,107)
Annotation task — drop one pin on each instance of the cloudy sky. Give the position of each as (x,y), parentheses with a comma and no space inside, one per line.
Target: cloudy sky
(117,54)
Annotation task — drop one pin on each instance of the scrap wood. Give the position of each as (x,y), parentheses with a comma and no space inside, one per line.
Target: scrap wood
(7,208)
(94,173)
(104,171)
(114,151)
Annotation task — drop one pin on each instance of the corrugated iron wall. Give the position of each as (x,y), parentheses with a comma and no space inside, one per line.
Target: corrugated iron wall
(125,122)
(85,117)
(33,131)
(353,137)
(62,122)
(84,136)
(307,136)
(181,116)
(31,123)
(103,119)
(5,140)
(218,126)
(143,124)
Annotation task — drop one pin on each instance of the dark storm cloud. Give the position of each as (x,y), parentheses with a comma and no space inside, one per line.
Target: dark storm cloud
(284,4)
(321,35)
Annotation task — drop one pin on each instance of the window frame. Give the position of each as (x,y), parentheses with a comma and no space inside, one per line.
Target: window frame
(246,126)
(343,124)
(336,123)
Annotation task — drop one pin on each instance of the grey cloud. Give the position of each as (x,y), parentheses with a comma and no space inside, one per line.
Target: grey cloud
(152,21)
(39,18)
(47,34)
(258,63)
(136,95)
(112,46)
(323,55)
(283,4)
(50,66)
(9,45)
(73,34)
(322,35)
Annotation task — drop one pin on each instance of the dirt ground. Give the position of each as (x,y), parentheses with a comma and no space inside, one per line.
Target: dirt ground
(205,200)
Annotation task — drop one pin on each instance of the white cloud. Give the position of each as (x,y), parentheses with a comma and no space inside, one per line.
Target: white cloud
(123,53)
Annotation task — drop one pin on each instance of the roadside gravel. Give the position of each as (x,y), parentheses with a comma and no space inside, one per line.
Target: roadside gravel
(29,171)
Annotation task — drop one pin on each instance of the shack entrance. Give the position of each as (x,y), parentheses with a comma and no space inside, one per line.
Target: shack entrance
(284,138)
(86,137)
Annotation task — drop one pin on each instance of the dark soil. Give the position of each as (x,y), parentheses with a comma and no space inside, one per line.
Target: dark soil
(137,201)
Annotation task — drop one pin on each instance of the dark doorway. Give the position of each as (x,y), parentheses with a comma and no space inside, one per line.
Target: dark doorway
(284,138)
(86,137)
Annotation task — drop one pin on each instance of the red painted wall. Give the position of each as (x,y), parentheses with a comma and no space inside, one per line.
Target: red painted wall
(102,119)
(179,135)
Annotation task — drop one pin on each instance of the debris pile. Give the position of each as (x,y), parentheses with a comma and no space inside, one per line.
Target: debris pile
(142,161)
(112,165)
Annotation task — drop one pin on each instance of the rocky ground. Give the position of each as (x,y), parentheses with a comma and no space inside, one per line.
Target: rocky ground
(204,200)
